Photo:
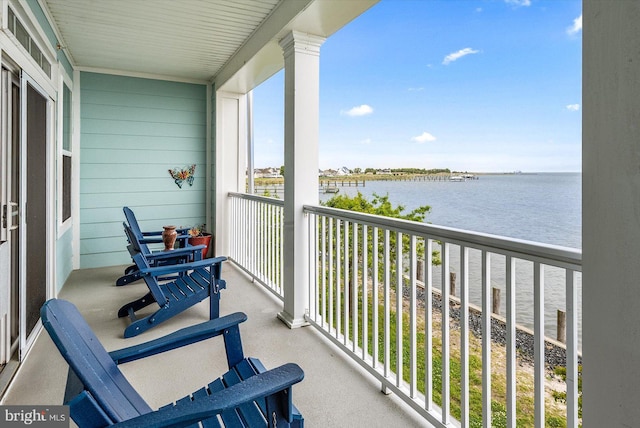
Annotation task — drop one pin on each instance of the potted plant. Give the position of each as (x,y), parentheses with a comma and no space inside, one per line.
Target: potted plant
(198,236)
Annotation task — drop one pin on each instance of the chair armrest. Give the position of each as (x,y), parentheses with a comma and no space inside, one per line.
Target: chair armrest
(258,386)
(175,252)
(150,240)
(183,337)
(182,231)
(157,238)
(182,267)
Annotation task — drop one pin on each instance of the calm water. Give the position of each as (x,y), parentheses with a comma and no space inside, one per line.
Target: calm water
(538,207)
(542,208)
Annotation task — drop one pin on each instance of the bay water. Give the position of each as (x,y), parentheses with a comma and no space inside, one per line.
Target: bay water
(544,207)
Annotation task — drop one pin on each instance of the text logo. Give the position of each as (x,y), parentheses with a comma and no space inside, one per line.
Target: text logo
(34,416)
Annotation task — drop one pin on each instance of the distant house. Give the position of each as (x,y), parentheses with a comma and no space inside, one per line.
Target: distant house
(384,171)
(340,172)
(266,172)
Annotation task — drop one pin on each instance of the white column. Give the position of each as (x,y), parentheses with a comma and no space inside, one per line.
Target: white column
(250,152)
(76,114)
(611,213)
(210,163)
(230,160)
(301,117)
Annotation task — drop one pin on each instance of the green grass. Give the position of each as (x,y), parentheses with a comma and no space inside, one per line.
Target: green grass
(555,415)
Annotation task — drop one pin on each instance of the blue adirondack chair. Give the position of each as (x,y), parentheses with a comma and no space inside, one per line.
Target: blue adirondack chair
(138,241)
(99,395)
(200,280)
(189,253)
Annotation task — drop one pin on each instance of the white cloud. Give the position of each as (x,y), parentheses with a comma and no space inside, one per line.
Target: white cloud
(519,2)
(573,107)
(457,55)
(576,27)
(366,141)
(361,110)
(416,89)
(424,138)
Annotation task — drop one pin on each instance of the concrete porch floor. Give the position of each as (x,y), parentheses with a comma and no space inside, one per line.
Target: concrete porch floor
(335,392)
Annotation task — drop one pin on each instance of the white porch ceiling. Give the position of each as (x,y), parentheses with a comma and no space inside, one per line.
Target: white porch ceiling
(194,40)
(191,39)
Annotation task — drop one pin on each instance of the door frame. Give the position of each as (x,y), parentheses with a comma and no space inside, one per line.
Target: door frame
(8,347)
(15,58)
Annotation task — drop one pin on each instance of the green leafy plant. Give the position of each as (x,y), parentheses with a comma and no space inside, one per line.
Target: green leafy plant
(561,397)
(198,230)
(380,205)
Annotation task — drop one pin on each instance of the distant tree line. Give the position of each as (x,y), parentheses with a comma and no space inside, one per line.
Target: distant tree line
(405,171)
(421,170)
(394,170)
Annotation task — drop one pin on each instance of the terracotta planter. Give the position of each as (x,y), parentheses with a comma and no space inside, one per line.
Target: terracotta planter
(169,236)
(204,239)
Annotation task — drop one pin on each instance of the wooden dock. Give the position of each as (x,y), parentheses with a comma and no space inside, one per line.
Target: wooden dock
(342,183)
(427,177)
(331,185)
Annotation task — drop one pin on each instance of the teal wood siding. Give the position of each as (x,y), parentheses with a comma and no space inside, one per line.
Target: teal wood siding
(133,131)
(64,258)
(43,21)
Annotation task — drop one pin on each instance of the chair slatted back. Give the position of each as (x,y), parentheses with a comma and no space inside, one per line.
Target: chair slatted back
(131,219)
(90,362)
(134,240)
(135,230)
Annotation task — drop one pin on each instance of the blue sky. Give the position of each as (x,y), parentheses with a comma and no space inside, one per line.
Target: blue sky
(470,85)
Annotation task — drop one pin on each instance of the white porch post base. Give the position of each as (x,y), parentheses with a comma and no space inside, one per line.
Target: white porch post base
(290,321)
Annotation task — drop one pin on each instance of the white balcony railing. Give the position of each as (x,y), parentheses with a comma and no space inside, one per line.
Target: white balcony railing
(432,349)
(256,238)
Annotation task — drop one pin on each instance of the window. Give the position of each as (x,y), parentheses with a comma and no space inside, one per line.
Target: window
(21,33)
(65,174)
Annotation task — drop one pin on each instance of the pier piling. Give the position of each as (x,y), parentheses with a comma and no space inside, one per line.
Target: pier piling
(452,283)
(420,271)
(562,327)
(495,306)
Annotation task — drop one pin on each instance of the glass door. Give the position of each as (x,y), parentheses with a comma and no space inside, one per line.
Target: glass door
(33,206)
(25,117)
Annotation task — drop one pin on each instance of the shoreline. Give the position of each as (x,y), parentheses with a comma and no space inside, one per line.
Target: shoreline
(275,181)
(555,353)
